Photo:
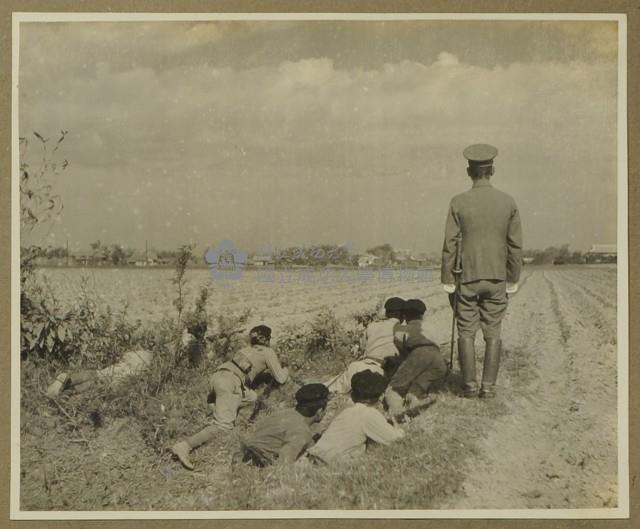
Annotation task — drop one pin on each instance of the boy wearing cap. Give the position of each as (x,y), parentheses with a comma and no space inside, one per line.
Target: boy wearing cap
(351,429)
(283,436)
(422,367)
(488,222)
(231,388)
(378,345)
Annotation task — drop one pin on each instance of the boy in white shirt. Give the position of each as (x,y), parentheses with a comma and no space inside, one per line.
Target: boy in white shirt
(378,345)
(348,433)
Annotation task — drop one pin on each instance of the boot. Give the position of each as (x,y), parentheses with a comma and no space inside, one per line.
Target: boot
(490,369)
(182,450)
(467,358)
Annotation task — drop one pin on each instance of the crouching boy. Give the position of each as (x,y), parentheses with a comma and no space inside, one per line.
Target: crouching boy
(231,388)
(351,429)
(422,367)
(283,436)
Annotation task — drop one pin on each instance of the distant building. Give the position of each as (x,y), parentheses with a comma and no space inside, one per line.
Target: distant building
(143,259)
(602,253)
(89,258)
(367,260)
(261,260)
(401,256)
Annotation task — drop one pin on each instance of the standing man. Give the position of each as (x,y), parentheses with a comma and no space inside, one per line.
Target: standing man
(489,224)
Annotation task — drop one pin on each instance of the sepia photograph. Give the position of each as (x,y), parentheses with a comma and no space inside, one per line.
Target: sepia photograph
(319,265)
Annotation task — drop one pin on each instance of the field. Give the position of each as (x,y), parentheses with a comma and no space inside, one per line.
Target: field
(548,441)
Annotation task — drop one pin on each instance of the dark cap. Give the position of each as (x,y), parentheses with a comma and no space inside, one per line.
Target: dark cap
(480,154)
(312,394)
(394,304)
(367,385)
(261,330)
(415,306)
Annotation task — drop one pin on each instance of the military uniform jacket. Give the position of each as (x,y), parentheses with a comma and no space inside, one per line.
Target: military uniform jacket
(491,235)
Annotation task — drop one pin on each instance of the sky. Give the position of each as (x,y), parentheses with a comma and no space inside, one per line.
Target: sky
(291,133)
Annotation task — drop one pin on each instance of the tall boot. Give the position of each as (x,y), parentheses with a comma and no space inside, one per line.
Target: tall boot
(491,365)
(467,358)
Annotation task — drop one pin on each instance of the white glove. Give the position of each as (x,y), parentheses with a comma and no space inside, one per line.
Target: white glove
(449,288)
(512,288)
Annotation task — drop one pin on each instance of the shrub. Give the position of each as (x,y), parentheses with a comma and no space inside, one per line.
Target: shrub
(228,335)
(326,335)
(364,317)
(324,338)
(196,323)
(88,334)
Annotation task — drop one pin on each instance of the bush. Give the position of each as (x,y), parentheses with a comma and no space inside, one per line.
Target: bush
(196,324)
(364,317)
(229,334)
(88,334)
(324,338)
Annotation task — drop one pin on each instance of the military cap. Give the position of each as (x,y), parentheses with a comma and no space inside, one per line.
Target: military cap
(394,304)
(415,306)
(480,154)
(312,394)
(261,330)
(367,385)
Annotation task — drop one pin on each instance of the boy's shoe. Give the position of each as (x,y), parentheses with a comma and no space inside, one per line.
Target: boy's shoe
(412,401)
(57,385)
(182,450)
(394,402)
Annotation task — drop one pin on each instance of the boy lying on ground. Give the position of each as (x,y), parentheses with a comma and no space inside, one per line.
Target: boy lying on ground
(132,363)
(231,385)
(378,345)
(351,429)
(423,365)
(283,436)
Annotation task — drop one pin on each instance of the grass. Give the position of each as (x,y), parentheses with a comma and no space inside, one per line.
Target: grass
(124,464)
(108,448)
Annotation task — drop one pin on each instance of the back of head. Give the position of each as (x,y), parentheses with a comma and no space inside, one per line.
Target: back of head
(394,307)
(260,335)
(310,398)
(414,309)
(367,386)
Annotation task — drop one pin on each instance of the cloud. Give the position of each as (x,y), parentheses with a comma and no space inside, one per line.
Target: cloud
(447,59)
(301,127)
(306,72)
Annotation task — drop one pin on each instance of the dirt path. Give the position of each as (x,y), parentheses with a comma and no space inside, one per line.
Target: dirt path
(556,448)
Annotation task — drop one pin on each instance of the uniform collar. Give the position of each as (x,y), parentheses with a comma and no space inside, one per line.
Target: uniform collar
(481,182)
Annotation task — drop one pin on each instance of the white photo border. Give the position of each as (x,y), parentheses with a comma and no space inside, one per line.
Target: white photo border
(623,508)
